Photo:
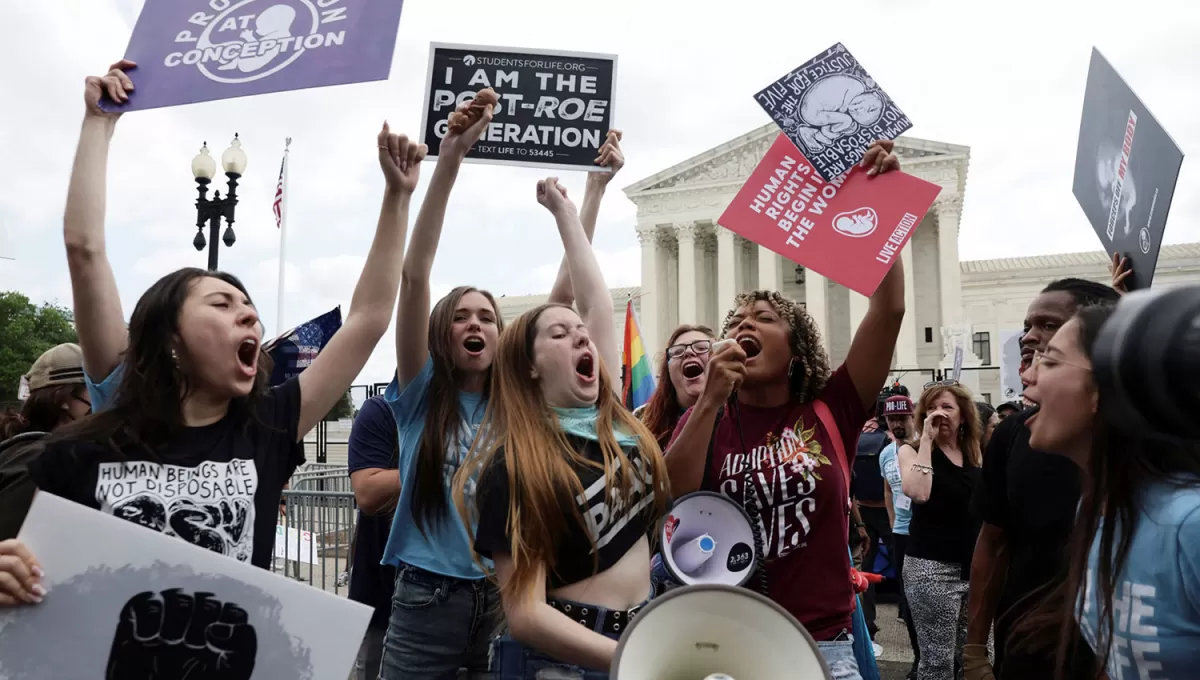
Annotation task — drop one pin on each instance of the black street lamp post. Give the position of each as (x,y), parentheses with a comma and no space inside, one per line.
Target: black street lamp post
(210,211)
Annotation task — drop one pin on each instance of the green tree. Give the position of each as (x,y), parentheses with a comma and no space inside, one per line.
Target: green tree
(344,408)
(27,330)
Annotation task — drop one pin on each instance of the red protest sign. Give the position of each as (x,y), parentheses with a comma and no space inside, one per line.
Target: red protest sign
(850,230)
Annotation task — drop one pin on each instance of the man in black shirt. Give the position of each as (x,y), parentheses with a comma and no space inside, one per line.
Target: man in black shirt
(1027,502)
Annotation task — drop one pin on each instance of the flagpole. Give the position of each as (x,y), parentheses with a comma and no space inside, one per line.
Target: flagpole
(279,329)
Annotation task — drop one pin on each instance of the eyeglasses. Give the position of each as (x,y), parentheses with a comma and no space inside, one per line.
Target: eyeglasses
(1046,361)
(699,347)
(940,383)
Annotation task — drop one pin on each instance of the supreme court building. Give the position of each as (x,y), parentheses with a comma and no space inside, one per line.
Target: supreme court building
(692,268)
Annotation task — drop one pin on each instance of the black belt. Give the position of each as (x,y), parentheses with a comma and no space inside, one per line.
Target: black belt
(614,621)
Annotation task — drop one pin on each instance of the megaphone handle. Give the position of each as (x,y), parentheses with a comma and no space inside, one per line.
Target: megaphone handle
(750,503)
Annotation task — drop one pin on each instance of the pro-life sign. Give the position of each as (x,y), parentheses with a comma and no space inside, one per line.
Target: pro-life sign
(850,230)
(555,108)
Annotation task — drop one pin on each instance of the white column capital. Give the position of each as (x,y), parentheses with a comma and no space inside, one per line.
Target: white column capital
(647,234)
(685,231)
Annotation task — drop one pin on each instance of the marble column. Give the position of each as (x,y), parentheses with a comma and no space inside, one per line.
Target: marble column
(906,344)
(651,298)
(948,210)
(858,309)
(728,259)
(815,303)
(685,235)
(769,273)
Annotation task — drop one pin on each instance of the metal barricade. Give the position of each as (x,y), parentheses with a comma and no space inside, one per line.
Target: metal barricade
(329,479)
(314,533)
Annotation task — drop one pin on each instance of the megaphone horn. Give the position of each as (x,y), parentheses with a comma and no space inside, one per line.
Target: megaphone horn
(707,538)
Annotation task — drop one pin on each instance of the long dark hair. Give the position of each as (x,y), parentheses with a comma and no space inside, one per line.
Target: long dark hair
(147,410)
(41,412)
(1119,468)
(429,503)
(663,411)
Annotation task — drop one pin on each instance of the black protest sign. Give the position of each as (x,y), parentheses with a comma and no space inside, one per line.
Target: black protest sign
(1125,171)
(555,108)
(832,110)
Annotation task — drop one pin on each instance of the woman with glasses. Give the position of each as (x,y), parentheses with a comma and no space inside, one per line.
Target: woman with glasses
(57,397)
(680,380)
(938,472)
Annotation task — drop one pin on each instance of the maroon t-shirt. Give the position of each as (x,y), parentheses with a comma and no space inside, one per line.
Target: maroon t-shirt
(802,495)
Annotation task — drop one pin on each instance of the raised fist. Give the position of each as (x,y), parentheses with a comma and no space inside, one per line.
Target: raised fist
(177,635)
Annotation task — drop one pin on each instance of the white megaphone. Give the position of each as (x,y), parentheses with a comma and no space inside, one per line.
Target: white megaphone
(716,632)
(707,538)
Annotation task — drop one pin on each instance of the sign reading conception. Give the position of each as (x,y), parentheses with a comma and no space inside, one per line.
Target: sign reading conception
(555,108)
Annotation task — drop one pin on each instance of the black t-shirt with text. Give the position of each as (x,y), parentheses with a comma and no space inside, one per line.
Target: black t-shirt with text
(216,486)
(614,528)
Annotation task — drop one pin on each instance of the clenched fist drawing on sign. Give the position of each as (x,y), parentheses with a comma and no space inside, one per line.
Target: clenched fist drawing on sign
(174,634)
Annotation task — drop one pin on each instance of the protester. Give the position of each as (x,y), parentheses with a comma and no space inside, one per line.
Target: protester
(444,608)
(557,449)
(372,458)
(898,412)
(796,423)
(1133,581)
(872,528)
(989,420)
(57,397)
(1008,408)
(681,376)
(938,473)
(1027,501)
(183,394)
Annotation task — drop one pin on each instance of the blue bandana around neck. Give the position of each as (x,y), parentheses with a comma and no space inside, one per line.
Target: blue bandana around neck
(581,422)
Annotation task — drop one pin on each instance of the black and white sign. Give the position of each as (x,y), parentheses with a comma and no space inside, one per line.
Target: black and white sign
(1125,171)
(832,110)
(555,109)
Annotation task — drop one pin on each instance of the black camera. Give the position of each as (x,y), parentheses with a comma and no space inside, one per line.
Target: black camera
(1146,362)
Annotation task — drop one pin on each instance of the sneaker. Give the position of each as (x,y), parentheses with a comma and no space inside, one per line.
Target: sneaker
(877,648)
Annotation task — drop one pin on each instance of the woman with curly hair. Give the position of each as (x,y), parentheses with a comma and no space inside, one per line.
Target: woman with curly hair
(681,376)
(784,450)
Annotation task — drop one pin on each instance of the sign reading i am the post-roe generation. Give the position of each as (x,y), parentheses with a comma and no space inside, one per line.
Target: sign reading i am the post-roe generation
(555,108)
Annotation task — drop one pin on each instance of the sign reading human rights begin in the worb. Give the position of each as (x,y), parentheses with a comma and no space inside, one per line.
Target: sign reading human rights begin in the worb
(555,108)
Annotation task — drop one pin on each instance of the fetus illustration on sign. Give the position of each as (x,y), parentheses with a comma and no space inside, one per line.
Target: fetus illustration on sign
(271,27)
(856,223)
(833,107)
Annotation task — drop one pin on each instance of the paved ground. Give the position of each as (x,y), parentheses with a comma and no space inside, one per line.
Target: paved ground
(897,656)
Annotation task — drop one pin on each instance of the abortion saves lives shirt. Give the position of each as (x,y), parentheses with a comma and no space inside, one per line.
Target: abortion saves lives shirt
(802,495)
(216,486)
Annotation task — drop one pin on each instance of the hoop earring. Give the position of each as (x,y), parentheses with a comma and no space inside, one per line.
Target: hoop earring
(791,369)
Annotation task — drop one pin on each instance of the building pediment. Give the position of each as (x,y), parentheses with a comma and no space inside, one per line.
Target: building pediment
(726,167)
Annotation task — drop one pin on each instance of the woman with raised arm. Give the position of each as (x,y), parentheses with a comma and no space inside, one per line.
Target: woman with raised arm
(184,404)
(569,482)
(784,450)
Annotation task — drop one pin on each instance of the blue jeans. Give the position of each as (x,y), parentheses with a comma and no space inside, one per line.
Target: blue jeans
(439,624)
(839,656)
(513,660)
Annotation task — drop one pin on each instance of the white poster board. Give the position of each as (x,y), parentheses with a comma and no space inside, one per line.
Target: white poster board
(295,545)
(1010,366)
(124,601)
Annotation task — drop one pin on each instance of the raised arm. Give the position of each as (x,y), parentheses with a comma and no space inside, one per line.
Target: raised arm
(597,182)
(594,300)
(870,355)
(412,336)
(98,318)
(336,367)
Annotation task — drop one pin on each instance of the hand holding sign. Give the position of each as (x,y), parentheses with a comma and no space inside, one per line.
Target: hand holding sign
(400,159)
(879,158)
(115,85)
(610,157)
(468,114)
(20,575)
(458,141)
(553,197)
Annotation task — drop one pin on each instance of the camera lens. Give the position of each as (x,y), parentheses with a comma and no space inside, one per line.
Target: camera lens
(1147,363)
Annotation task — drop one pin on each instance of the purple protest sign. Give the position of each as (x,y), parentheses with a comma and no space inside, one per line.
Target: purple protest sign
(190,51)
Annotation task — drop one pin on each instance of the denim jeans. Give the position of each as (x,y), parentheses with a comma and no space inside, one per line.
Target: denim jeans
(839,656)
(439,624)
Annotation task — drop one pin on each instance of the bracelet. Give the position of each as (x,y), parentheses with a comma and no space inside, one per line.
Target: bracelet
(923,469)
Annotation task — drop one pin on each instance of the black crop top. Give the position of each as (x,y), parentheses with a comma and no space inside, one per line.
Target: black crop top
(942,528)
(614,531)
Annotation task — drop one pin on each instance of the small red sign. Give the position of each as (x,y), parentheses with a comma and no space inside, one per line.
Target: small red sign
(672,524)
(850,230)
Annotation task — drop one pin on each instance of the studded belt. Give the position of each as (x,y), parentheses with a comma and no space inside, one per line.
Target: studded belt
(614,622)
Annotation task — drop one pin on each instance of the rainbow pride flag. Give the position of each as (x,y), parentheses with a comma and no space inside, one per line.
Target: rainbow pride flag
(637,377)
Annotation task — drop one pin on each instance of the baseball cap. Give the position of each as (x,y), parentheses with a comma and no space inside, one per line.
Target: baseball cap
(59,365)
(898,405)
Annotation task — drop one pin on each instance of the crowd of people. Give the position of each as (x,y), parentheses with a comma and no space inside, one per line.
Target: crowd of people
(508,501)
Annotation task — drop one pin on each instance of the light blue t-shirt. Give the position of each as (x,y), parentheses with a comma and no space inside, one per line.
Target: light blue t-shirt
(445,547)
(103,393)
(889,466)
(1156,602)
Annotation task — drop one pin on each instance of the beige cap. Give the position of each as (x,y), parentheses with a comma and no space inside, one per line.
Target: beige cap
(60,365)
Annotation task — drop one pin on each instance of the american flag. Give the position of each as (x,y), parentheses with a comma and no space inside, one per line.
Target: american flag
(277,207)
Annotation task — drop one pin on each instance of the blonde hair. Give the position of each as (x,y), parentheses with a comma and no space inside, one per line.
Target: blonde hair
(539,460)
(970,430)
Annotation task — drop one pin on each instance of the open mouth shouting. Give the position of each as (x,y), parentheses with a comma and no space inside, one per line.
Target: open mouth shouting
(692,368)
(750,346)
(585,368)
(474,345)
(247,354)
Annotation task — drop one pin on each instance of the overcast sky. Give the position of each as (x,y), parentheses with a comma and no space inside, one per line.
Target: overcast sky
(1007,84)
